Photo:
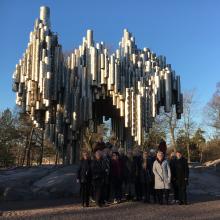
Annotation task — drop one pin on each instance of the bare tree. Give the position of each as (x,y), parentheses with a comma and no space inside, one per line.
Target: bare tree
(212,111)
(169,124)
(172,126)
(188,123)
(90,138)
(155,133)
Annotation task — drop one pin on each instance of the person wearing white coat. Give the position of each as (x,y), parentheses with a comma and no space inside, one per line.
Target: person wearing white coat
(162,175)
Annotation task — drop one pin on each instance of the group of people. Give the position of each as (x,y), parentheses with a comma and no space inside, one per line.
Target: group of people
(111,175)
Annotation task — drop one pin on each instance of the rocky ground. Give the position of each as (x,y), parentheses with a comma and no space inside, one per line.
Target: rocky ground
(42,182)
(53,182)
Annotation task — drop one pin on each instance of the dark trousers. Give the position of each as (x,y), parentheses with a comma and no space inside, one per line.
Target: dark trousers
(117,188)
(146,191)
(92,195)
(98,192)
(138,189)
(129,189)
(153,191)
(182,193)
(106,189)
(160,195)
(85,193)
(175,190)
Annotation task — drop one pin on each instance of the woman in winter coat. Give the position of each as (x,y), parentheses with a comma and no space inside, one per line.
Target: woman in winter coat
(137,167)
(98,176)
(84,178)
(106,165)
(129,177)
(136,170)
(181,177)
(146,177)
(116,177)
(162,175)
(172,162)
(151,159)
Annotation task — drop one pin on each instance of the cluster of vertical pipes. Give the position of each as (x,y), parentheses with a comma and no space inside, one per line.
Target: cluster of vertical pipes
(65,94)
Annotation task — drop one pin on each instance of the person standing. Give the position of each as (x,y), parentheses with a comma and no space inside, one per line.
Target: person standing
(129,178)
(182,177)
(137,164)
(162,175)
(151,159)
(145,177)
(123,158)
(84,178)
(116,177)
(172,162)
(98,175)
(106,165)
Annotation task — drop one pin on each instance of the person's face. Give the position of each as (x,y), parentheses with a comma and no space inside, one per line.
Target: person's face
(172,155)
(98,155)
(160,156)
(114,156)
(110,153)
(145,155)
(129,154)
(104,153)
(107,151)
(178,155)
(152,153)
(85,156)
(137,153)
(121,153)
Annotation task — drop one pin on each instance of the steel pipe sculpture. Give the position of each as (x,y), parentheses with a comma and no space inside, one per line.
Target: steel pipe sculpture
(63,95)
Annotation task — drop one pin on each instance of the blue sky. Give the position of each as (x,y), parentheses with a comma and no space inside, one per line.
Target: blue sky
(187,32)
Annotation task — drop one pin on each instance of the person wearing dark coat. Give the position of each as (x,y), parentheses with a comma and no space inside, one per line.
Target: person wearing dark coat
(107,169)
(145,177)
(123,158)
(98,175)
(181,177)
(151,159)
(116,177)
(84,178)
(129,177)
(173,176)
(137,167)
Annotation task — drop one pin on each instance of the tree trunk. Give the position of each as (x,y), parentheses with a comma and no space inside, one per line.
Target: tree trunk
(201,154)
(24,153)
(173,141)
(29,147)
(41,152)
(188,153)
(56,159)
(201,157)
